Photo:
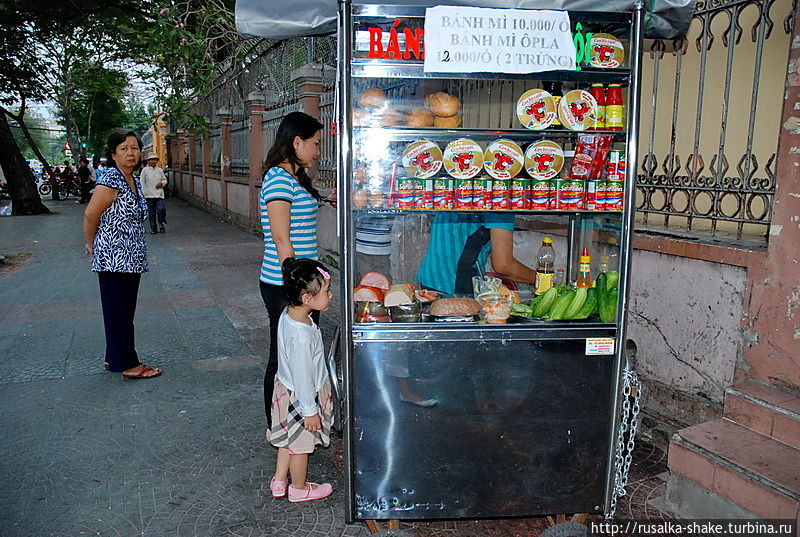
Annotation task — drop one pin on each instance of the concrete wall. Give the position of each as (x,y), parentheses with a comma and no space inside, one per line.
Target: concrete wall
(238,199)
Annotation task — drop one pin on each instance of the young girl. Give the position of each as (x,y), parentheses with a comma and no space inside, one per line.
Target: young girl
(302,406)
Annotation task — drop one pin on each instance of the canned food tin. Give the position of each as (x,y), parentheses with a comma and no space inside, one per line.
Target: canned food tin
(463,159)
(463,194)
(570,195)
(424,194)
(536,109)
(615,195)
(443,196)
(577,110)
(405,193)
(616,165)
(544,159)
(594,195)
(503,159)
(482,193)
(422,158)
(501,194)
(541,194)
(520,190)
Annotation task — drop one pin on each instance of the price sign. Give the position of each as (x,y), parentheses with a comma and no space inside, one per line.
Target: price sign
(486,40)
(599,346)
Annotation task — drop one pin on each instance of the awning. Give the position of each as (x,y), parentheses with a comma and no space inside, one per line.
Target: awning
(282,19)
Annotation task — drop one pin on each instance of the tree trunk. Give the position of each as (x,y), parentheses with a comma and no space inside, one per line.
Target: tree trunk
(21,183)
(19,119)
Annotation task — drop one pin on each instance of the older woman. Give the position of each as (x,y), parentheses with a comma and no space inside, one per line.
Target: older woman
(112,224)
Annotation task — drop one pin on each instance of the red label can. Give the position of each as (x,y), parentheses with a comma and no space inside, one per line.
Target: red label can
(541,194)
(501,194)
(482,194)
(443,196)
(594,197)
(405,193)
(616,165)
(615,195)
(463,194)
(424,194)
(570,195)
(520,190)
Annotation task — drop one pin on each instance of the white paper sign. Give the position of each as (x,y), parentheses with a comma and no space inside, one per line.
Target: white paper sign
(487,40)
(599,346)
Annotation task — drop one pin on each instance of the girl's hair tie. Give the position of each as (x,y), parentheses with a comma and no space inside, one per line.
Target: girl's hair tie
(324,273)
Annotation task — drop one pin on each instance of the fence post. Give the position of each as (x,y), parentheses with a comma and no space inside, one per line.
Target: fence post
(207,153)
(308,79)
(256,106)
(181,152)
(225,120)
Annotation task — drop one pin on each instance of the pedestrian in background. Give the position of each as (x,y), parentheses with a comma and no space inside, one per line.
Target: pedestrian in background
(288,205)
(84,180)
(114,230)
(153,183)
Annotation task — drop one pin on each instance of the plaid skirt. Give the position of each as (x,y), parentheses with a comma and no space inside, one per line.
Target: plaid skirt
(287,421)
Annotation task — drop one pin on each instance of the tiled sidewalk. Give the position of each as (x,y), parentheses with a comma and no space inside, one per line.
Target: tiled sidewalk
(84,453)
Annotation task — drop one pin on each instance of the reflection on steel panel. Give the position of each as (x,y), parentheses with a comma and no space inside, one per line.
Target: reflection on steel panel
(518,428)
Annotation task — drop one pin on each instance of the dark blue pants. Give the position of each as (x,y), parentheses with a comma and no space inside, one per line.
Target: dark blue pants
(118,293)
(157,210)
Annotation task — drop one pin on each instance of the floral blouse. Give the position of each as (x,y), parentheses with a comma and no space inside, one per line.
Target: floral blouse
(119,244)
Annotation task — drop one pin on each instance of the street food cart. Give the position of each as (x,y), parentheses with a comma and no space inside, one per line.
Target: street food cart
(520,417)
(520,119)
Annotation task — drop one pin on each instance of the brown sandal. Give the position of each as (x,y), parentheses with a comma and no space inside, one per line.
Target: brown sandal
(144,372)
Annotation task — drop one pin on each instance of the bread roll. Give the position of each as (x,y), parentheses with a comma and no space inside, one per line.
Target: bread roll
(391,118)
(455,306)
(360,175)
(359,199)
(419,117)
(359,117)
(372,98)
(399,295)
(447,122)
(442,104)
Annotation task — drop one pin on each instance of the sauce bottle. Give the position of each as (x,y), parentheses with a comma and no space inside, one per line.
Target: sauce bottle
(614,108)
(584,269)
(599,94)
(545,266)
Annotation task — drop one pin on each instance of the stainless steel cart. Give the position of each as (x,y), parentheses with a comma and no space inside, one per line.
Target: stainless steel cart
(525,422)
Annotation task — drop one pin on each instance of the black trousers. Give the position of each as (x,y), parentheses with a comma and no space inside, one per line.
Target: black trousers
(118,293)
(275,301)
(85,196)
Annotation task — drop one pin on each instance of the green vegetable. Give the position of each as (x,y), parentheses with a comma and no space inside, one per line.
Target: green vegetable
(545,302)
(561,305)
(608,311)
(522,310)
(612,279)
(600,286)
(577,303)
(589,307)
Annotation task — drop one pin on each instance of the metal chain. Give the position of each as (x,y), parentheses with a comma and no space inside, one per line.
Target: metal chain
(623,453)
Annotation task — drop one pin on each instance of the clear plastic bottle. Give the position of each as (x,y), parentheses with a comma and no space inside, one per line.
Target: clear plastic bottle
(545,266)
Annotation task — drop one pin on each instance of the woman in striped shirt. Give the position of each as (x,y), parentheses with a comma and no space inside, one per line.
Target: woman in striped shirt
(288,205)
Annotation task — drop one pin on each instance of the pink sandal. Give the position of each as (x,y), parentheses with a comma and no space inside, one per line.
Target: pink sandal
(315,491)
(278,488)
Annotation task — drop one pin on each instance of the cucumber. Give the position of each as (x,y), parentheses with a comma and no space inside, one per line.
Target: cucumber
(545,302)
(608,311)
(589,307)
(521,310)
(561,305)
(612,279)
(577,303)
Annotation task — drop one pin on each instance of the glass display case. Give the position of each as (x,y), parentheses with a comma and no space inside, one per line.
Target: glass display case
(485,221)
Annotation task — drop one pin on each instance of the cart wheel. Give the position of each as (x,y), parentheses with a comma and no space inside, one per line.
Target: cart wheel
(566,529)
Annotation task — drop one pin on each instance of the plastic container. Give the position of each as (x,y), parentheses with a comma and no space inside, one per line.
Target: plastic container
(495,308)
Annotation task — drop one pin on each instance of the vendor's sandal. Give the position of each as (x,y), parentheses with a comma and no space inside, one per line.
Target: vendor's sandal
(315,491)
(106,366)
(141,372)
(278,487)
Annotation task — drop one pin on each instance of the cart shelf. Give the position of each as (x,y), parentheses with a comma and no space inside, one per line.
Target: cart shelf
(458,331)
(491,211)
(409,134)
(385,69)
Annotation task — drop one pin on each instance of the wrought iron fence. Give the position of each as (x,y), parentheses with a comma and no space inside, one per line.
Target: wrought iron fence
(327,160)
(216,151)
(240,136)
(197,164)
(718,96)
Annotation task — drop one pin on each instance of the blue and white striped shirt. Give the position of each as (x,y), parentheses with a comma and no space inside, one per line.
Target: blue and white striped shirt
(279,184)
